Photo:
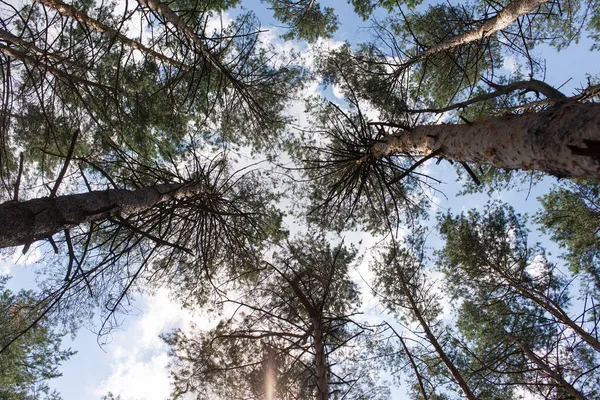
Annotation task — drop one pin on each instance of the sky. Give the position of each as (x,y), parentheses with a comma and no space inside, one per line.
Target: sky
(134,362)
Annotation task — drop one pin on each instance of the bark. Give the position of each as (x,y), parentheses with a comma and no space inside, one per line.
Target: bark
(320,360)
(318,341)
(59,73)
(433,340)
(557,311)
(169,15)
(563,140)
(27,221)
(503,19)
(541,364)
(17,41)
(532,85)
(81,17)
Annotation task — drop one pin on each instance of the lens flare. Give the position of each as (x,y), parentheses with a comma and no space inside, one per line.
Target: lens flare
(269,383)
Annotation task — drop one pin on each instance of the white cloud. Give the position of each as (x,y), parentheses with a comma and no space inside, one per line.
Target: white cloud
(4,268)
(337,91)
(218,22)
(139,360)
(510,64)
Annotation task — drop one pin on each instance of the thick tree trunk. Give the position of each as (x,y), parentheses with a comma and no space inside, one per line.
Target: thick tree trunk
(503,19)
(84,19)
(563,140)
(27,221)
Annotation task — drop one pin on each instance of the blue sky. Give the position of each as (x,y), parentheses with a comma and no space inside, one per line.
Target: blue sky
(133,363)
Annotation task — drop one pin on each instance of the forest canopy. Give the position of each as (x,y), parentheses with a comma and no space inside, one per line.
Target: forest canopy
(351,218)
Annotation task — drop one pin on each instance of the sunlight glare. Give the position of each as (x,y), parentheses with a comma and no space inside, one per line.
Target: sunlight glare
(269,383)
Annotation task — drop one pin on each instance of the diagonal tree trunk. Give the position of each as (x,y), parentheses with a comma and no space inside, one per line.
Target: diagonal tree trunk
(59,73)
(563,140)
(552,307)
(81,17)
(504,18)
(541,364)
(27,221)
(162,9)
(416,310)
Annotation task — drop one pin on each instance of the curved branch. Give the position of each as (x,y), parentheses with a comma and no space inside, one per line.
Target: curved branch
(532,85)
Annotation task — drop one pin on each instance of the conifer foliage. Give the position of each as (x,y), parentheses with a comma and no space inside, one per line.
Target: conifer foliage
(152,144)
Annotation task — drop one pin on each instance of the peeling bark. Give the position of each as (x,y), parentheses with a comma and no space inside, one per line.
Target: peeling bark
(562,141)
(28,221)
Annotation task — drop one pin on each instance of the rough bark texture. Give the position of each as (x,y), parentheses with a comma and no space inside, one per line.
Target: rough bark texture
(541,364)
(503,19)
(70,11)
(320,361)
(563,140)
(27,221)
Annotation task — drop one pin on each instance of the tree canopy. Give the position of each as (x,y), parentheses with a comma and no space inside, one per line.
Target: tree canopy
(152,144)
(35,356)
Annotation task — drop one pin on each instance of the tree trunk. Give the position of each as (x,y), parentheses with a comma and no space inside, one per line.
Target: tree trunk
(541,364)
(169,15)
(59,73)
(553,308)
(563,140)
(84,19)
(503,19)
(320,361)
(318,341)
(433,340)
(27,221)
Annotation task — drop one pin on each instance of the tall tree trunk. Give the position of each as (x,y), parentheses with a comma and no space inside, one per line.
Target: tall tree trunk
(169,15)
(59,73)
(563,140)
(552,307)
(412,361)
(460,380)
(84,19)
(504,18)
(541,364)
(27,221)
(318,340)
(320,360)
